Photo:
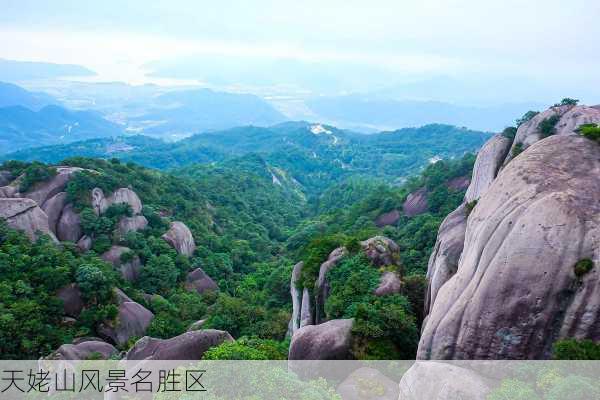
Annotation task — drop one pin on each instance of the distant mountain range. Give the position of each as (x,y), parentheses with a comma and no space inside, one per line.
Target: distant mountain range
(16,71)
(13,95)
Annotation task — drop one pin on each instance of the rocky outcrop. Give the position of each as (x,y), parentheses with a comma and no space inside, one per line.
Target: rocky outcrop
(516,290)
(489,160)
(187,346)
(443,261)
(459,183)
(132,320)
(85,350)
(322,287)
(197,281)
(416,203)
(84,244)
(381,251)
(576,117)
(123,195)
(389,283)
(331,340)
(180,238)
(389,218)
(130,270)
(9,191)
(131,224)
(72,301)
(68,227)
(306,314)
(53,207)
(5,178)
(43,191)
(25,215)
(197,325)
(368,383)
(296,294)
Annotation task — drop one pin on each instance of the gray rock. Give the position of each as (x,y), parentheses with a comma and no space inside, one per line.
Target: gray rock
(382,251)
(389,283)
(459,183)
(187,346)
(331,340)
(306,316)
(576,117)
(25,215)
(99,201)
(53,207)
(296,294)
(85,243)
(72,301)
(133,320)
(9,191)
(123,195)
(120,296)
(85,350)
(132,224)
(129,270)
(42,191)
(322,287)
(5,178)
(515,291)
(368,383)
(69,225)
(389,218)
(444,258)
(197,281)
(416,203)
(180,238)
(489,160)
(197,325)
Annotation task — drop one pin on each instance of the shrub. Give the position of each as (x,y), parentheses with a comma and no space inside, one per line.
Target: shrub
(159,275)
(567,101)
(582,267)
(34,173)
(526,117)
(572,349)
(590,131)
(470,206)
(548,126)
(517,149)
(509,132)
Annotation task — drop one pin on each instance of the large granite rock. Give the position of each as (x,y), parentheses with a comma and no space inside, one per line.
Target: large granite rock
(382,251)
(322,287)
(368,383)
(459,183)
(95,349)
(130,270)
(123,195)
(197,281)
(180,238)
(388,218)
(68,227)
(85,243)
(331,340)
(187,346)
(42,191)
(389,283)
(72,301)
(132,224)
(444,258)
(416,203)
(9,191)
(53,207)
(576,117)
(296,294)
(132,320)
(516,290)
(489,160)
(25,215)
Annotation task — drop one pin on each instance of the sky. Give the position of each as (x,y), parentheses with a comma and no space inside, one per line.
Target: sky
(323,47)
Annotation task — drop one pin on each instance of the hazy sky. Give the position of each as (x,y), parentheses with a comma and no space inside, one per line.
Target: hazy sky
(554,42)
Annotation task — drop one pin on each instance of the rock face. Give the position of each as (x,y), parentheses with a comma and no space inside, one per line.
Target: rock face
(198,281)
(123,195)
(389,218)
(53,207)
(389,283)
(180,238)
(516,291)
(381,251)
(443,261)
(416,203)
(25,215)
(331,340)
(368,383)
(188,346)
(296,294)
(306,315)
(130,270)
(132,224)
(84,244)
(322,287)
(72,301)
(489,160)
(133,320)
(69,225)
(83,351)
(5,177)
(459,183)
(43,191)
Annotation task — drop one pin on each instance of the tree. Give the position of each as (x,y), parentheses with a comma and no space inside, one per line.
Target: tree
(159,275)
(95,286)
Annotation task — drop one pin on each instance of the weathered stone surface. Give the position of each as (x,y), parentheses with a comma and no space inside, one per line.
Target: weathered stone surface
(72,301)
(53,208)
(515,291)
(9,191)
(433,380)
(187,346)
(416,203)
(198,281)
(489,160)
(99,201)
(129,270)
(389,218)
(25,215)
(85,350)
(197,325)
(123,195)
(528,133)
(306,315)
(331,340)
(322,287)
(444,258)
(132,224)
(85,243)
(69,225)
(575,117)
(296,294)
(389,283)
(368,383)
(5,177)
(381,251)
(120,296)
(459,183)
(42,191)
(180,238)
(133,320)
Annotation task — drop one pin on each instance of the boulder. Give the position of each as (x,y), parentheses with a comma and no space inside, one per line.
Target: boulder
(197,281)
(132,320)
(489,160)
(331,340)
(99,201)
(576,117)
(69,225)
(296,294)
(84,350)
(72,301)
(368,383)
(516,290)
(197,325)
(322,287)
(42,191)
(435,380)
(9,191)
(306,316)
(120,296)
(123,195)
(180,238)
(25,215)
(381,251)
(416,203)
(389,218)
(187,346)
(444,258)
(6,177)
(132,224)
(84,244)
(528,133)
(459,183)
(130,270)
(53,207)
(389,283)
